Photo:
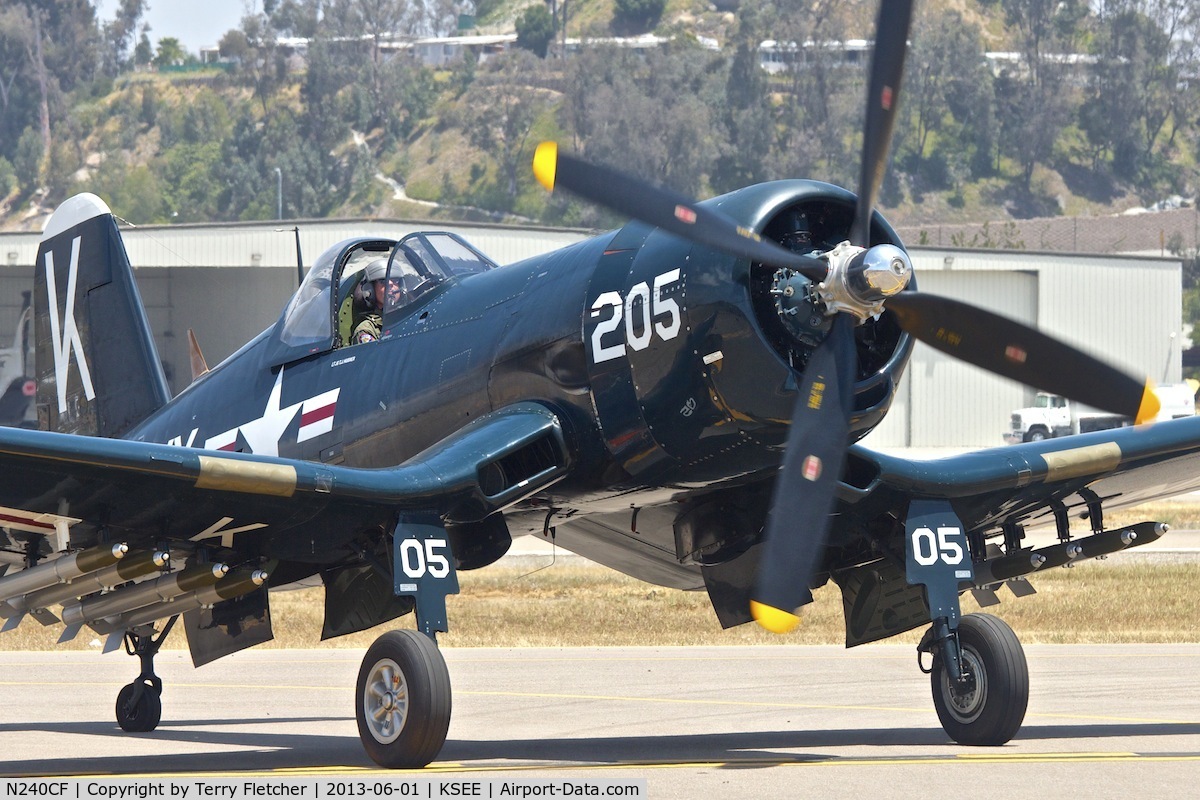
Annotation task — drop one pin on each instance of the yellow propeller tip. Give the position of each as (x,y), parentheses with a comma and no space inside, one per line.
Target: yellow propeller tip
(773,619)
(545,162)
(1150,405)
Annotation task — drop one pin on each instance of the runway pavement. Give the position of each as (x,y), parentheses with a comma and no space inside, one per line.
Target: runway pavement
(772,721)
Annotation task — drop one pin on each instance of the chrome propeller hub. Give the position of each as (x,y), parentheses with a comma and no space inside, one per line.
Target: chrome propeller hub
(860,279)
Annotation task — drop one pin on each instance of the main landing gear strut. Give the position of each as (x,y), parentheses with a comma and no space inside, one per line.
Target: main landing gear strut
(403,698)
(139,704)
(984,701)
(979,675)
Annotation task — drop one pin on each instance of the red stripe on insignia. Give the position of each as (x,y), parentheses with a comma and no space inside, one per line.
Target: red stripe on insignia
(33,523)
(886,98)
(317,414)
(1014,353)
(229,447)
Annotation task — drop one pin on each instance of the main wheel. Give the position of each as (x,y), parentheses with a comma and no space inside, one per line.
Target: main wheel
(990,710)
(403,695)
(140,716)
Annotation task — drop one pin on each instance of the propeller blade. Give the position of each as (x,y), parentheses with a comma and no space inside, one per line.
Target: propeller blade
(883,98)
(664,209)
(804,490)
(1009,348)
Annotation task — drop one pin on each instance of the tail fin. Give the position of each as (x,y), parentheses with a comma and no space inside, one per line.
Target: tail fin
(98,368)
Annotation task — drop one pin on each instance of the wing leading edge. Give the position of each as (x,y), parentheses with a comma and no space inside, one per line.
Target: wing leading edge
(68,493)
(1022,484)
(993,495)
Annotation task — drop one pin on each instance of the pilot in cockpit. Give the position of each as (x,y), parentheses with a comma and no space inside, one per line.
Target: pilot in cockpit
(370,295)
(376,293)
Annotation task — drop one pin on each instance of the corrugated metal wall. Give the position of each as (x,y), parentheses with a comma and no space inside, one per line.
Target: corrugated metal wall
(230,282)
(1126,310)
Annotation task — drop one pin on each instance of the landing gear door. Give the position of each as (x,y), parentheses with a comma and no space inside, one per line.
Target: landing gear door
(937,555)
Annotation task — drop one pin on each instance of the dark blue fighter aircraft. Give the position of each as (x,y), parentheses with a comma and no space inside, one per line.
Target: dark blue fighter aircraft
(678,399)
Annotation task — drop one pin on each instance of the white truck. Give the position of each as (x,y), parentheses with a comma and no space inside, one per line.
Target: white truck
(1052,415)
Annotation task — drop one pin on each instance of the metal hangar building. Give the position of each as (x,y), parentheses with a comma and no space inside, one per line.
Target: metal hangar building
(228,282)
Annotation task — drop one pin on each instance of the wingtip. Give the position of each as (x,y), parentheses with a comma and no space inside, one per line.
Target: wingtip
(545,164)
(1150,405)
(773,619)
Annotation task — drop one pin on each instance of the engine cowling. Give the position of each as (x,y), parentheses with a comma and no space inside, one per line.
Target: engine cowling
(694,356)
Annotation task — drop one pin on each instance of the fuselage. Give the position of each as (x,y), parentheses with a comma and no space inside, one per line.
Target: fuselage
(658,355)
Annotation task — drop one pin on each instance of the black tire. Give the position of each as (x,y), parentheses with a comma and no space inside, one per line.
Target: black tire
(405,731)
(1036,434)
(142,716)
(992,712)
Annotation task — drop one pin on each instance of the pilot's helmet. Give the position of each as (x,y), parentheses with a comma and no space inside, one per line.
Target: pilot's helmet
(376,270)
(365,292)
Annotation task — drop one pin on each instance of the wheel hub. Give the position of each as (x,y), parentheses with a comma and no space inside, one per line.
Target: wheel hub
(385,701)
(968,698)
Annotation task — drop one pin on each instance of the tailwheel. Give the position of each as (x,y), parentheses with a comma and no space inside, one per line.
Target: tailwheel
(139,707)
(989,706)
(139,704)
(403,693)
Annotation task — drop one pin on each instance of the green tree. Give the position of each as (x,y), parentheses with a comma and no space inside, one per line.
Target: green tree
(1035,99)
(139,198)
(747,114)
(148,109)
(27,162)
(119,34)
(503,110)
(8,177)
(379,21)
(947,94)
(1134,104)
(535,30)
(823,101)
(169,53)
(639,12)
(143,54)
(651,113)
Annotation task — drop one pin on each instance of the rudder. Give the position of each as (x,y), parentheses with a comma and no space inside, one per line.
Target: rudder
(98,369)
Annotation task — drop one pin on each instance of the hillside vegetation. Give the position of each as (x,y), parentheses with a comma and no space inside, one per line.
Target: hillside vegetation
(353,126)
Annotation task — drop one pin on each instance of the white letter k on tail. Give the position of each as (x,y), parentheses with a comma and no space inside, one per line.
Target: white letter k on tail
(66,335)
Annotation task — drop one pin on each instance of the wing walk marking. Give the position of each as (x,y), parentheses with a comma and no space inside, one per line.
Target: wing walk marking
(218,529)
(64,333)
(1080,462)
(226,474)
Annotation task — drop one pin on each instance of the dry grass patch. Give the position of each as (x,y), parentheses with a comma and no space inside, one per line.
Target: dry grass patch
(1180,514)
(580,605)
